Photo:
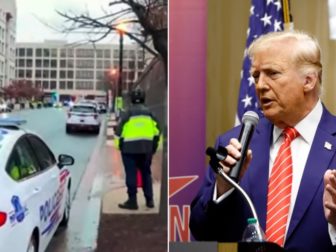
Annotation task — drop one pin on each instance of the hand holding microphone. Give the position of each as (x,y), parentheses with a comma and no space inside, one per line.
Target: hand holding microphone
(237,156)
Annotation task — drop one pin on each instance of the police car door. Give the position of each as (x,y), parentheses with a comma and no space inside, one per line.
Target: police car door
(27,192)
(49,208)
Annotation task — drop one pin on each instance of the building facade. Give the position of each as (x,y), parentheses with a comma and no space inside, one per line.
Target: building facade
(7,41)
(79,71)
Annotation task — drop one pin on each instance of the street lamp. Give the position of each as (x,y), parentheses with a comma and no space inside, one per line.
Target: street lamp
(121,28)
(112,74)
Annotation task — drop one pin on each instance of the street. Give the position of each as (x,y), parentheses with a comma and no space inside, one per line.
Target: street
(49,123)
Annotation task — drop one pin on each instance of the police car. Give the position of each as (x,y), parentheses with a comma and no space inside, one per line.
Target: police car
(83,116)
(35,189)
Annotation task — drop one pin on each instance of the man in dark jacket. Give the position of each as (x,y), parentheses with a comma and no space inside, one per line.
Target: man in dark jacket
(138,132)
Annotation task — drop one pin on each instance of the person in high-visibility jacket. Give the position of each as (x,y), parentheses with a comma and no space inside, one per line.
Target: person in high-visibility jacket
(138,133)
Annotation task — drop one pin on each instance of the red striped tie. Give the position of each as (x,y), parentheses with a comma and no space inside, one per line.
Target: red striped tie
(279,190)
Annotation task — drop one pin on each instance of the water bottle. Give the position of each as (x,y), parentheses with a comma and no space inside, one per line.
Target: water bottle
(253,232)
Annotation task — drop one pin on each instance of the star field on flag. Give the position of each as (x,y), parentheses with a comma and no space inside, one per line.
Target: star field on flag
(265,16)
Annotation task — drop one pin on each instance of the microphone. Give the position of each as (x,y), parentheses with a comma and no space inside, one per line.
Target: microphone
(250,120)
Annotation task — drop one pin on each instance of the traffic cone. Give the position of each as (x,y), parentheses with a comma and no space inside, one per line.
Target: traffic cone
(139,178)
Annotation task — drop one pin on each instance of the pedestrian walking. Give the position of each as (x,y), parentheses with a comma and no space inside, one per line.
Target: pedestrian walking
(138,133)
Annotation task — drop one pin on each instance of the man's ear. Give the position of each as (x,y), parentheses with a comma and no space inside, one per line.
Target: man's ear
(310,82)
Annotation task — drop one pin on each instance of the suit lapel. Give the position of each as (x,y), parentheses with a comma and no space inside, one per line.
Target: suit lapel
(261,147)
(317,163)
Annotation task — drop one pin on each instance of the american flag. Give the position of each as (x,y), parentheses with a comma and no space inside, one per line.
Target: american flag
(265,16)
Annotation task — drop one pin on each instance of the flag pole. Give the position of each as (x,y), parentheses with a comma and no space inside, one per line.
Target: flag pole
(288,22)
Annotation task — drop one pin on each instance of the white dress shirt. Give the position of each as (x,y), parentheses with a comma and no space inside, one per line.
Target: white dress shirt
(300,148)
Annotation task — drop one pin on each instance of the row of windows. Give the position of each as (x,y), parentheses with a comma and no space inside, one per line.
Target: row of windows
(78,53)
(79,85)
(84,64)
(89,75)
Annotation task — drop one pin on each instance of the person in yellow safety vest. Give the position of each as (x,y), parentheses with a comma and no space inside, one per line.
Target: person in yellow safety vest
(139,132)
(15,172)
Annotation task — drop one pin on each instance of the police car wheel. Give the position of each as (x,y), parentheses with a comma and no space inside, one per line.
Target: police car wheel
(32,247)
(67,209)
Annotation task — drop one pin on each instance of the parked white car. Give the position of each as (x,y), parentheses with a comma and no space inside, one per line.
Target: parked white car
(35,189)
(83,116)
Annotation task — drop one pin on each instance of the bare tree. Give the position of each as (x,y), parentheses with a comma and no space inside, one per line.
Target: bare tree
(147,20)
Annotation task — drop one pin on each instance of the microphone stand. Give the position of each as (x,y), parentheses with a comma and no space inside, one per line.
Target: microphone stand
(224,176)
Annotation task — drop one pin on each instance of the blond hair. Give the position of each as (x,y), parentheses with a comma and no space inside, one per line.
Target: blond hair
(306,53)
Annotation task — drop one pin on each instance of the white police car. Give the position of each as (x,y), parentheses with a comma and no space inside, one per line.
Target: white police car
(83,116)
(35,189)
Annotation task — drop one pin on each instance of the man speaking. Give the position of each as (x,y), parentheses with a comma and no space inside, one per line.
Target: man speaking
(288,170)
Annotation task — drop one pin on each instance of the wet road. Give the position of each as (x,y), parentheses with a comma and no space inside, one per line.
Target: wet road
(81,233)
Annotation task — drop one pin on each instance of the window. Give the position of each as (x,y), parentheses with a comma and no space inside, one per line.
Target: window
(99,64)
(44,155)
(29,52)
(62,85)
(46,53)
(53,52)
(22,162)
(21,73)
(70,63)
(38,52)
(45,74)
(85,64)
(100,75)
(38,74)
(38,63)
(84,85)
(140,64)
(85,53)
(46,63)
(63,63)
(70,53)
(21,52)
(62,74)
(52,84)
(116,53)
(99,53)
(70,85)
(107,64)
(131,75)
(53,74)
(45,84)
(29,62)
(131,64)
(28,74)
(84,74)
(53,63)
(63,53)
(21,63)
(70,74)
(107,53)
(100,85)
(125,54)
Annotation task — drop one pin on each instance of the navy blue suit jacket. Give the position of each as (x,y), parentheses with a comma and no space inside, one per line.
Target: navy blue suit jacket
(308,228)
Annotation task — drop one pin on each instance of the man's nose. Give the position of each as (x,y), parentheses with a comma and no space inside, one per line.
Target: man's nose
(262,81)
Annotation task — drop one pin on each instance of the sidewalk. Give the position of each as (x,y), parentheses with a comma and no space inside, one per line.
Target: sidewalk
(128,230)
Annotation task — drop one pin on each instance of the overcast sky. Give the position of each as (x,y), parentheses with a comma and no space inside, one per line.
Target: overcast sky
(29,12)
